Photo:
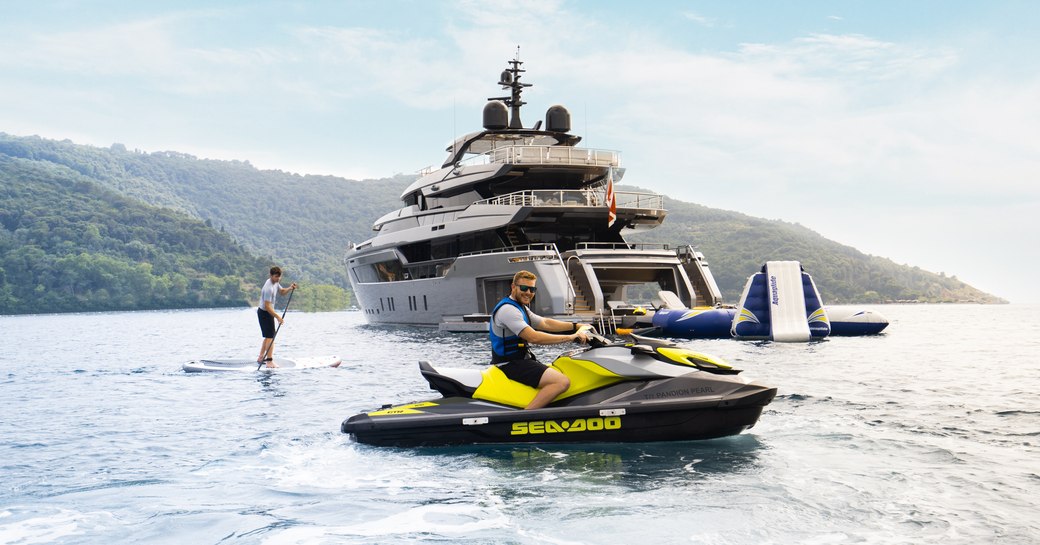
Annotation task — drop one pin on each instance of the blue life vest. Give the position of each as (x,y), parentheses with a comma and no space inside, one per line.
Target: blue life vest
(513,347)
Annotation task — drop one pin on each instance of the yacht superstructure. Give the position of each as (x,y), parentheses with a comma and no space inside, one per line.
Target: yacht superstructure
(509,198)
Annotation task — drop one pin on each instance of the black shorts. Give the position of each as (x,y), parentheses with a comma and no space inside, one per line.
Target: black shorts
(266,323)
(527,372)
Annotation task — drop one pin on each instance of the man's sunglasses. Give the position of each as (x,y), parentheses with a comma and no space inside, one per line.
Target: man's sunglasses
(531,289)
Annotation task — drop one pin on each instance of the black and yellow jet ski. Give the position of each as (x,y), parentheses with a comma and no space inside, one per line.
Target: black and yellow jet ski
(645,390)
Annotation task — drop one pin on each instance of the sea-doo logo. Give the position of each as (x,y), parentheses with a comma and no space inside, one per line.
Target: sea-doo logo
(679,393)
(562,426)
(774,290)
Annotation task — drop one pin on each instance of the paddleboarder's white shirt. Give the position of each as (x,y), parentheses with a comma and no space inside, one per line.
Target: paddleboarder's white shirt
(269,293)
(508,320)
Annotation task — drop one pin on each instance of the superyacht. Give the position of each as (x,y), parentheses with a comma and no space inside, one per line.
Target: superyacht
(511,197)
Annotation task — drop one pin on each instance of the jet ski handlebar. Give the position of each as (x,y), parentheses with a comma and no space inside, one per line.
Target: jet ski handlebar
(595,339)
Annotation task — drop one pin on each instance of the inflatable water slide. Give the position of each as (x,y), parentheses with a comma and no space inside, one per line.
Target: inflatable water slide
(779,303)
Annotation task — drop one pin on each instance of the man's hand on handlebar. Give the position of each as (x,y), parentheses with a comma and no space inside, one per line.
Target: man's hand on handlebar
(585,333)
(595,339)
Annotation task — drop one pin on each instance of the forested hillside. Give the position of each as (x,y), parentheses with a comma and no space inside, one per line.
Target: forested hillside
(68,244)
(305,223)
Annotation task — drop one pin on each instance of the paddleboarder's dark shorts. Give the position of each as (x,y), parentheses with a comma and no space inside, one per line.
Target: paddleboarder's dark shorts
(527,371)
(266,323)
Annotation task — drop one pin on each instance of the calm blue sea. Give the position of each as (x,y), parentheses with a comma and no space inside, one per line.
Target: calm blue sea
(929,433)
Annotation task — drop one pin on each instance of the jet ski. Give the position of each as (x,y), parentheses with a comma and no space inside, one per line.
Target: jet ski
(640,391)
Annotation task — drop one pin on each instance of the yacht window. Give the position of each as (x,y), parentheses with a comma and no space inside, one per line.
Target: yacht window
(565,239)
(475,242)
(427,270)
(365,274)
(417,252)
(384,271)
(444,248)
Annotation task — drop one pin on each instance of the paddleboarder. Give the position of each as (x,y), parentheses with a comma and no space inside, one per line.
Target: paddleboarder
(267,314)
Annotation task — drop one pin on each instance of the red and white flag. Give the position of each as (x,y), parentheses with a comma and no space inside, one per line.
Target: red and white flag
(611,199)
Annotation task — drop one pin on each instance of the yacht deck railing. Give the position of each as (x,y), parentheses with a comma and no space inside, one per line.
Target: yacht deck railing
(577,197)
(621,246)
(548,155)
(541,155)
(519,248)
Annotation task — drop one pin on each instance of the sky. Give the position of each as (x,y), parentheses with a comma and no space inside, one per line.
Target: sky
(908,130)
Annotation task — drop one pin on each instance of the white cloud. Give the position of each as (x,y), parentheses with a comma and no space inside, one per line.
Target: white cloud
(819,112)
(150,55)
(699,19)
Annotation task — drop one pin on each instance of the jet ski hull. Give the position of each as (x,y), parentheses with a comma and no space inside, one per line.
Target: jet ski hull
(463,421)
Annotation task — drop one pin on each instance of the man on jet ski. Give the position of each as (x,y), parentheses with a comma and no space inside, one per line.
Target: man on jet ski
(514,327)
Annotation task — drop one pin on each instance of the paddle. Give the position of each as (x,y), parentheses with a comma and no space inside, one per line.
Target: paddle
(261,363)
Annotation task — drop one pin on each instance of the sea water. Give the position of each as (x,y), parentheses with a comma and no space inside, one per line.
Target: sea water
(927,433)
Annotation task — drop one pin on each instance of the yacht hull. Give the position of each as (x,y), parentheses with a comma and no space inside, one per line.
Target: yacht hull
(577,286)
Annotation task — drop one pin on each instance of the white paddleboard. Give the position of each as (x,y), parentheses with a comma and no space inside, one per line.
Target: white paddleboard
(251,365)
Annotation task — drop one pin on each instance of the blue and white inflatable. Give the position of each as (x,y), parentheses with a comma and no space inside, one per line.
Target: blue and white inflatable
(855,321)
(782,304)
(695,323)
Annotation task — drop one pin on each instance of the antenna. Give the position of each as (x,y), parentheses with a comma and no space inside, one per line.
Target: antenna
(510,79)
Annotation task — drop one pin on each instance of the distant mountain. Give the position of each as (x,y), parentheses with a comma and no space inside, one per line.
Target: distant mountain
(305,223)
(68,244)
(736,246)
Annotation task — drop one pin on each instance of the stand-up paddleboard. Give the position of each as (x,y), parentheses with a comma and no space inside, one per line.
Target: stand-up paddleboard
(251,365)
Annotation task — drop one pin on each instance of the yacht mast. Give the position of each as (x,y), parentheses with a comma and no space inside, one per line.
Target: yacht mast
(510,79)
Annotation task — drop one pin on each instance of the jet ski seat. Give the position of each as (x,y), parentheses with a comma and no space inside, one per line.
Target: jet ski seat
(461,382)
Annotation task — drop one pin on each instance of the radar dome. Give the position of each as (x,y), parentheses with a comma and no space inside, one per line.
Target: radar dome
(496,116)
(557,119)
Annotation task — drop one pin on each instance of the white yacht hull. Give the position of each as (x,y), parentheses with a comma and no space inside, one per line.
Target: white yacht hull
(580,285)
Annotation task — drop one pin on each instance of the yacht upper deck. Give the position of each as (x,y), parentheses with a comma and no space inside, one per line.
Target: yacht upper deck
(547,155)
(533,155)
(578,198)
